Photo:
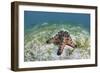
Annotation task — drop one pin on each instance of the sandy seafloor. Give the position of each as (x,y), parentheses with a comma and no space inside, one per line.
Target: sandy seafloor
(36,49)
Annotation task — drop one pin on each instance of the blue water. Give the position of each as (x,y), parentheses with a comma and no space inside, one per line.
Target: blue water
(41,26)
(32,18)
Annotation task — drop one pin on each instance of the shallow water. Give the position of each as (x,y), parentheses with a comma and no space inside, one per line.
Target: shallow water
(36,49)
